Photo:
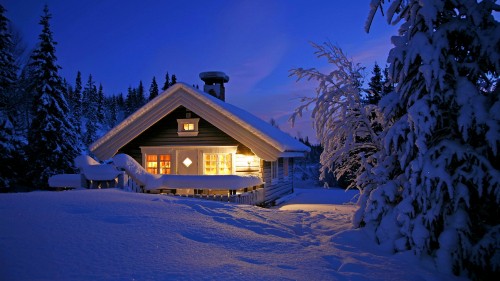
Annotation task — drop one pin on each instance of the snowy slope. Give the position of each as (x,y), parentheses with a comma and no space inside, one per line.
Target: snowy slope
(116,235)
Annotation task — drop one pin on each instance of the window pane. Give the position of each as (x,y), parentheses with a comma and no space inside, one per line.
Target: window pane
(210,164)
(188,126)
(224,164)
(165,164)
(217,163)
(152,164)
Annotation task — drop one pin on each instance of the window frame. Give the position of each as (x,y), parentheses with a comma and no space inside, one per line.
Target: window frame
(158,160)
(182,132)
(228,157)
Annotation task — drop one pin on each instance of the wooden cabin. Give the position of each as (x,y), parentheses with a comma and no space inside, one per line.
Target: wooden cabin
(185,131)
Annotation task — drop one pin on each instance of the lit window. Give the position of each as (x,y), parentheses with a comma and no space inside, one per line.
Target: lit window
(188,127)
(217,163)
(158,164)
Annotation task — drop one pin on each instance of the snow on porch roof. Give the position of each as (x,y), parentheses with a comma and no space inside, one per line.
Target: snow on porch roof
(266,141)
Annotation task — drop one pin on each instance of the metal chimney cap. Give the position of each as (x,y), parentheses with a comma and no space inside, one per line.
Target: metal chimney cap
(213,76)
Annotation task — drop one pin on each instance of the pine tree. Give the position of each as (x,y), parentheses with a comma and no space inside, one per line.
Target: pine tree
(76,101)
(439,187)
(153,89)
(130,101)
(375,90)
(51,137)
(89,99)
(174,80)
(11,156)
(387,85)
(141,97)
(27,92)
(112,105)
(10,141)
(100,106)
(167,84)
(8,67)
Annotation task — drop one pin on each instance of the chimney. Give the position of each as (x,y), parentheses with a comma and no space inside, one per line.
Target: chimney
(214,83)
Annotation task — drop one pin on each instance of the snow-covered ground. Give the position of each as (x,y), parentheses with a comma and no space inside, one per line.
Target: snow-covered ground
(117,235)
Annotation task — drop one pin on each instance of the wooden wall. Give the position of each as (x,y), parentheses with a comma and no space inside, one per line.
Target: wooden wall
(277,188)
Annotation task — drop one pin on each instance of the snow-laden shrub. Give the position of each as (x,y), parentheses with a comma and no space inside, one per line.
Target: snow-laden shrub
(345,127)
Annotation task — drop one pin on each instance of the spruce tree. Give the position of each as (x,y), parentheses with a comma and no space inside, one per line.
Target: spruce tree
(140,98)
(375,85)
(439,173)
(26,90)
(112,105)
(89,99)
(76,101)
(100,106)
(51,136)
(153,89)
(130,101)
(10,142)
(8,67)
(166,85)
(174,80)
(387,85)
(92,114)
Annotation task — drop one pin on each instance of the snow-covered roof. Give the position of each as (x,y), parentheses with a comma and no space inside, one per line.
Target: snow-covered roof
(266,141)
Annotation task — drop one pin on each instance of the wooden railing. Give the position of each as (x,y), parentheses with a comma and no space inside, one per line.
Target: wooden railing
(128,183)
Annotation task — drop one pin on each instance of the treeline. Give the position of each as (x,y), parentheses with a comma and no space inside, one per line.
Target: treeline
(46,121)
(96,112)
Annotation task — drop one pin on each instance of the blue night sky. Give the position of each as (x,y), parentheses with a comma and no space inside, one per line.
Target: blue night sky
(255,42)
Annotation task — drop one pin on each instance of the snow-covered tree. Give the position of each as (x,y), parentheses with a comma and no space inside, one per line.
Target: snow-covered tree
(10,141)
(153,89)
(439,170)
(100,106)
(26,93)
(345,127)
(8,67)
(90,109)
(11,153)
(90,98)
(75,102)
(51,136)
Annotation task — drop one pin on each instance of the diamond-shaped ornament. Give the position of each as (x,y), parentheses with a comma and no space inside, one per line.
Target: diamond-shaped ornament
(187,162)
